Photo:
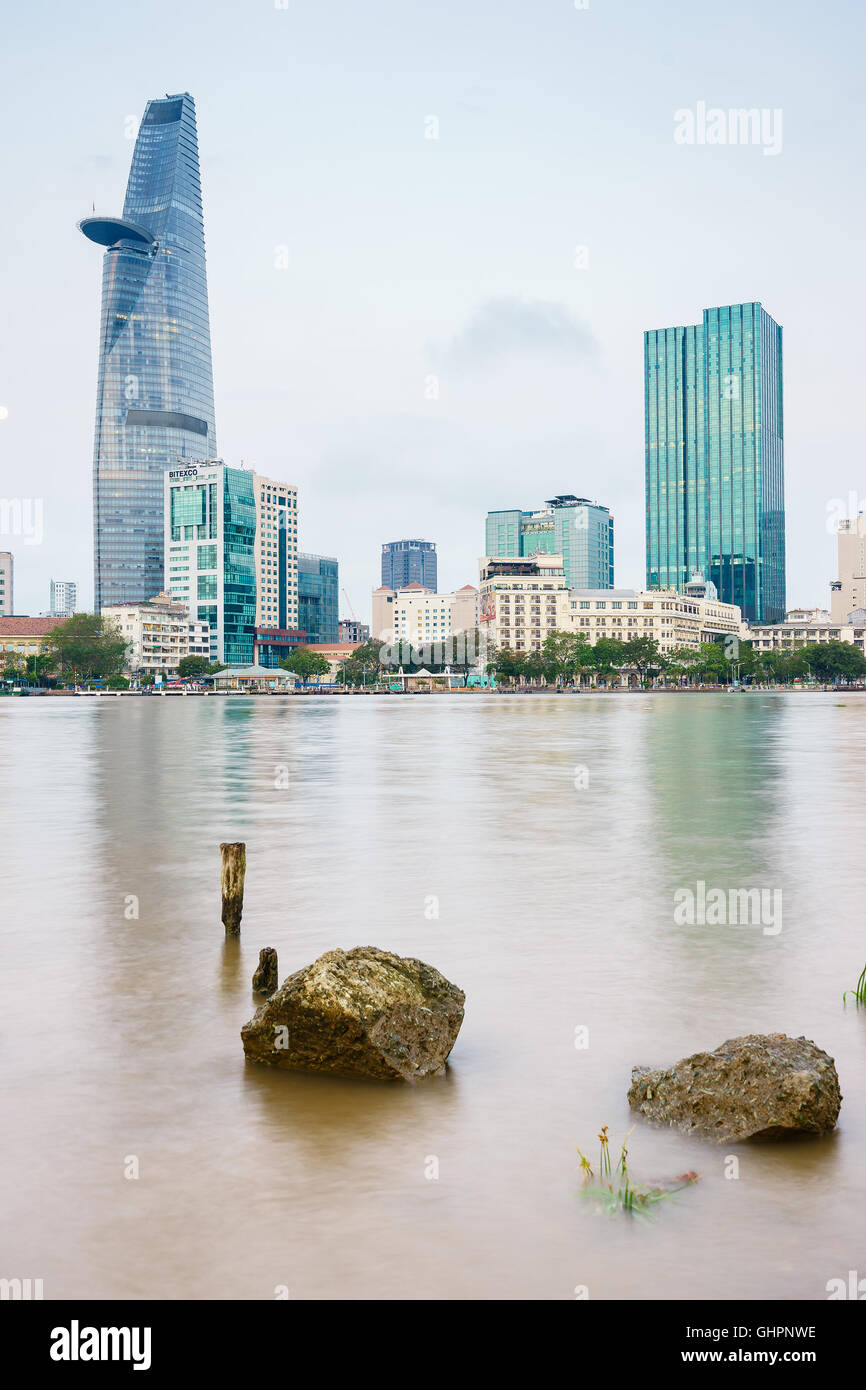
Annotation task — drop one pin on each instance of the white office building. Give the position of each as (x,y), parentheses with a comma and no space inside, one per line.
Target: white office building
(276,551)
(64,598)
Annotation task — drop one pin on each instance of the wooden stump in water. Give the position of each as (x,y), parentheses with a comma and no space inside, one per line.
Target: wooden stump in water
(266,978)
(234,868)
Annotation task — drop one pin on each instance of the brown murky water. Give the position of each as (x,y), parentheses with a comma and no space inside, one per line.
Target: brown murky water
(120,1036)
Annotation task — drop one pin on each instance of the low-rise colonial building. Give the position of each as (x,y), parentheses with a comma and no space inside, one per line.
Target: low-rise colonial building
(22,637)
(521,600)
(794,633)
(667,617)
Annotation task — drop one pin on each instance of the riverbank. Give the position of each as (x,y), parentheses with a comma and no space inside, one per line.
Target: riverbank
(463,691)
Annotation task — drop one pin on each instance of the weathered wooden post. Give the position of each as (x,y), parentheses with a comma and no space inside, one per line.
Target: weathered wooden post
(266,978)
(234,868)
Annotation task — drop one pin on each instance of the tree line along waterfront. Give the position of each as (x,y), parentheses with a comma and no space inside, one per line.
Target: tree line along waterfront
(89,649)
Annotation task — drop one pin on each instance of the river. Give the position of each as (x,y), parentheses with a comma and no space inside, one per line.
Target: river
(530,848)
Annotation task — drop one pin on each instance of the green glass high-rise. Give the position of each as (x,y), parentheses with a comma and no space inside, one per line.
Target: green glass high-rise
(715,479)
(318,597)
(210,559)
(579,530)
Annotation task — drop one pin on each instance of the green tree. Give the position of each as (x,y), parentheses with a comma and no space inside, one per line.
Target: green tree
(643,655)
(681,661)
(189,667)
(564,655)
(14,667)
(509,665)
(533,665)
(306,663)
(712,665)
(363,665)
(832,661)
(607,655)
(87,647)
(783,666)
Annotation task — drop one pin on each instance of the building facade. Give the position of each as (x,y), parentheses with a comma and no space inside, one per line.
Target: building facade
(318,598)
(276,554)
(274,644)
(23,637)
(210,553)
(7,576)
(417,615)
(714,442)
(794,633)
(409,562)
(665,616)
(821,616)
(64,598)
(154,402)
(578,530)
(848,591)
(521,600)
(159,634)
(350,630)
(199,639)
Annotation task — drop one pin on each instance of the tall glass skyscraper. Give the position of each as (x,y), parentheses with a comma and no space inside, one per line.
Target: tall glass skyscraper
(715,481)
(154,398)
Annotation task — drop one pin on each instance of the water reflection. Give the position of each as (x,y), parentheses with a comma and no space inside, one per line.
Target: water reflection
(529,848)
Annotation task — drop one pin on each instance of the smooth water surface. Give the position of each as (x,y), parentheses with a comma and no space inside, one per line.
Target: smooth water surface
(550,834)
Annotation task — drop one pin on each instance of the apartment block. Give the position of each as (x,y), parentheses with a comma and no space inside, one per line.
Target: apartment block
(416,614)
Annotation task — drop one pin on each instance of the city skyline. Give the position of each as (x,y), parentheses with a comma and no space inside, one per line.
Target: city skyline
(325,342)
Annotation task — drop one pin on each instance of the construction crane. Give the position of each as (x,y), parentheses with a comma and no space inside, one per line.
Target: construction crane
(351,609)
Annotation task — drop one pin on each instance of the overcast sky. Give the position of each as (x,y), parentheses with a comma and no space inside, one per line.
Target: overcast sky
(412,258)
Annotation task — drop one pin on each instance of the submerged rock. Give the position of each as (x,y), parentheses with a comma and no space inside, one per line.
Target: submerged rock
(762,1086)
(363,1012)
(266,978)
